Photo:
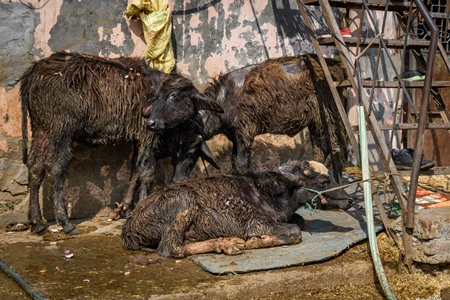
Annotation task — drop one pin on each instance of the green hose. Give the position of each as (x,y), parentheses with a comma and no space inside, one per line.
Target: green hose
(368,204)
(28,288)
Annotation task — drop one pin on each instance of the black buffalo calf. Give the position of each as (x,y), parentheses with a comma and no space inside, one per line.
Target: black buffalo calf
(77,97)
(230,213)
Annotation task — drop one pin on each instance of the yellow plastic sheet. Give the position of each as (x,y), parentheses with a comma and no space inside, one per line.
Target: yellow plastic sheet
(156,19)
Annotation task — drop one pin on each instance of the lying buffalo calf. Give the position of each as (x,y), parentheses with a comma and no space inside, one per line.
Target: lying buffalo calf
(230,213)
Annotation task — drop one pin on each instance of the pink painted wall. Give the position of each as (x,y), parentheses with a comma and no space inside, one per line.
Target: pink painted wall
(210,37)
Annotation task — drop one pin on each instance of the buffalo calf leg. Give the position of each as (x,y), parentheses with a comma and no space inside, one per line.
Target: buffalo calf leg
(34,213)
(298,220)
(57,169)
(127,202)
(61,210)
(125,207)
(146,171)
(320,146)
(35,165)
(142,172)
(273,234)
(172,240)
(241,157)
(337,159)
(266,241)
(230,246)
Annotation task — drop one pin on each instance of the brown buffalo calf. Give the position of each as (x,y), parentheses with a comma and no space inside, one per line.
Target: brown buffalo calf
(230,213)
(279,96)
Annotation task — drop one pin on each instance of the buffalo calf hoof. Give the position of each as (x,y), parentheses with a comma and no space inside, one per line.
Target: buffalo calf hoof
(230,246)
(253,243)
(38,227)
(115,215)
(120,212)
(74,231)
(71,229)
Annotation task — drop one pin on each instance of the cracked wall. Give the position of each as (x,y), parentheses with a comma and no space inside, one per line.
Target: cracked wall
(209,38)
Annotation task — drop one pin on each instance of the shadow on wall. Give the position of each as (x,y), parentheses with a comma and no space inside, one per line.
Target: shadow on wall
(269,151)
(290,25)
(195,10)
(98,176)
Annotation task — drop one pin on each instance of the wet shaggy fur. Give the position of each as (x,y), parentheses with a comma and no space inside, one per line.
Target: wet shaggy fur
(76,97)
(279,96)
(240,206)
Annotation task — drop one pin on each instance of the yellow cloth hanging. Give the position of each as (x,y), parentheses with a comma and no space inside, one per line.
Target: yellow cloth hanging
(156,19)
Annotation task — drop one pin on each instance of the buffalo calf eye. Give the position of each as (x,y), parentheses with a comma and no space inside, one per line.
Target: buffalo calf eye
(173,96)
(324,181)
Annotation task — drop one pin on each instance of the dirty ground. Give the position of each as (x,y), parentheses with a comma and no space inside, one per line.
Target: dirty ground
(101,269)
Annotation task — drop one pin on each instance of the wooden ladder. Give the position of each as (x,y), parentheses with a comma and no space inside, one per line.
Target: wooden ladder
(430,91)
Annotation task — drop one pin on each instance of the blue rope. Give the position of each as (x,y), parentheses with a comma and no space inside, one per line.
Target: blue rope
(308,206)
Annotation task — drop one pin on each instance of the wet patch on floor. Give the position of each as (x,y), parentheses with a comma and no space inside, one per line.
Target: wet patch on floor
(99,268)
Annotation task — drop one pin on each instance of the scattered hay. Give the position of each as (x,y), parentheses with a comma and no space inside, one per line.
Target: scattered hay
(423,283)
(389,252)
(353,171)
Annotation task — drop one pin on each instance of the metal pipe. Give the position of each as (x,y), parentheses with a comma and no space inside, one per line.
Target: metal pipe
(423,113)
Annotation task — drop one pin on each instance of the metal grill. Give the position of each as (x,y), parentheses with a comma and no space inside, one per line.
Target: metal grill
(440,14)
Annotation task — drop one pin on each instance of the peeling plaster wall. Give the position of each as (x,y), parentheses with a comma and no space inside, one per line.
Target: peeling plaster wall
(214,37)
(94,27)
(384,100)
(16,27)
(209,38)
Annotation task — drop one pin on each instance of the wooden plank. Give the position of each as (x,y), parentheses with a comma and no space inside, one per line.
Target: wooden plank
(413,43)
(407,173)
(414,126)
(392,84)
(373,4)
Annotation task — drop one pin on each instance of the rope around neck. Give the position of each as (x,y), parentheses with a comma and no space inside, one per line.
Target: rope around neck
(311,204)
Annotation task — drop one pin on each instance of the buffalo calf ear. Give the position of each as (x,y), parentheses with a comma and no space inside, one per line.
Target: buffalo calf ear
(318,167)
(286,171)
(203,102)
(207,155)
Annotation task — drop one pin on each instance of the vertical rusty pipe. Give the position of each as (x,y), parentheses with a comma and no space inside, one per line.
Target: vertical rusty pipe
(423,112)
